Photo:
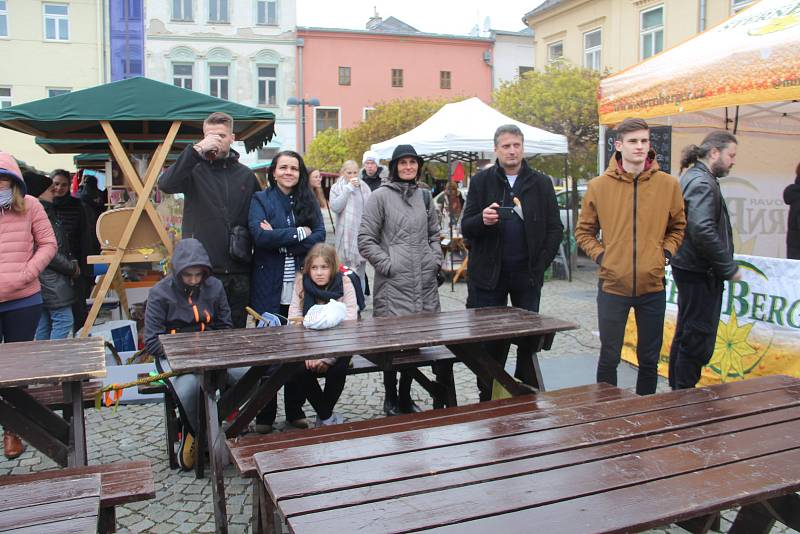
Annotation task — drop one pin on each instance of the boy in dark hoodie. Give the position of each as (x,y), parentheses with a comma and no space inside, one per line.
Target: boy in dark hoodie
(189,300)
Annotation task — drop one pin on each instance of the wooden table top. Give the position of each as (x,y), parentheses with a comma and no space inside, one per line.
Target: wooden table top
(200,351)
(64,360)
(60,505)
(622,465)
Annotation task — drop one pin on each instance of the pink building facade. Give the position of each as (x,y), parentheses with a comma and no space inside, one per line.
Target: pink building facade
(351,71)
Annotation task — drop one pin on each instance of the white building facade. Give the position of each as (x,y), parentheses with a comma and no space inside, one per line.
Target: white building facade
(513,55)
(243,51)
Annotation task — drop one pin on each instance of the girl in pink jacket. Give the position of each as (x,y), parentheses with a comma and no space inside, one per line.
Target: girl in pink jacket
(27,244)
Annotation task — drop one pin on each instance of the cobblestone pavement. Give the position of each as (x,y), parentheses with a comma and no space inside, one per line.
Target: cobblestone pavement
(183,504)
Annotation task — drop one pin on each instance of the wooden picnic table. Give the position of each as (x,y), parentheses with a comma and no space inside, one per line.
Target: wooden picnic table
(68,362)
(276,354)
(68,505)
(620,466)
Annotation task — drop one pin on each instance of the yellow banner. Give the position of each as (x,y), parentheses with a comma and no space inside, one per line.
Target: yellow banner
(751,58)
(759,328)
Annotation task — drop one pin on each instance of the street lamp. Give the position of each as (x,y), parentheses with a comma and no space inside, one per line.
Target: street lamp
(312,102)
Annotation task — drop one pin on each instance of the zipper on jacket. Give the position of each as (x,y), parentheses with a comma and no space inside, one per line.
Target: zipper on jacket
(635,199)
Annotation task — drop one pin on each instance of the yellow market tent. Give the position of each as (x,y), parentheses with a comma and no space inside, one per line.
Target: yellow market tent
(744,76)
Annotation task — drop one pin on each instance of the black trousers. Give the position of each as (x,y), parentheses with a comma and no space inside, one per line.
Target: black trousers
(237,289)
(523,294)
(293,394)
(325,400)
(20,324)
(612,316)
(699,307)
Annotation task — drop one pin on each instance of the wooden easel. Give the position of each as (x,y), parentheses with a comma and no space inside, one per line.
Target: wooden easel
(142,188)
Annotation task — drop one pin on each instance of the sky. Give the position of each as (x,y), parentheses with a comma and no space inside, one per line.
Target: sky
(431,16)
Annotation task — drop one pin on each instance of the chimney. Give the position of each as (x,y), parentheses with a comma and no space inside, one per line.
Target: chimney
(374,20)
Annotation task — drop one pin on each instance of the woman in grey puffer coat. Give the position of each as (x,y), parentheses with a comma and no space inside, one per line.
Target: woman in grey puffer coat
(399,236)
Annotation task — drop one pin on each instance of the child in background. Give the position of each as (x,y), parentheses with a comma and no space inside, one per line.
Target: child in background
(320,282)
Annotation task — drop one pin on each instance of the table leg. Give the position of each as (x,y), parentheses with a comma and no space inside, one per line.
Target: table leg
(216,448)
(262,395)
(474,356)
(528,370)
(73,394)
(51,441)
(759,518)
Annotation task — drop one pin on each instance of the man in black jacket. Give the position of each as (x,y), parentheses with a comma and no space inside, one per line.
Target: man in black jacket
(217,191)
(512,224)
(705,259)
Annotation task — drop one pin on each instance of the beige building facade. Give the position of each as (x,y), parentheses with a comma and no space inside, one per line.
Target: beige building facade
(47,48)
(610,35)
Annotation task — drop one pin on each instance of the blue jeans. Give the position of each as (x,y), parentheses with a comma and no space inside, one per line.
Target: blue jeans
(55,323)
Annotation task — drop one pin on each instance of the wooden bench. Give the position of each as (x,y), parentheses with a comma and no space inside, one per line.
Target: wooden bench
(624,466)
(120,483)
(52,395)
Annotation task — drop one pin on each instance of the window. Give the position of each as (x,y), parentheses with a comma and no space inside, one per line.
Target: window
(134,9)
(57,91)
(218,81)
(182,75)
(130,68)
(325,119)
(555,51)
(218,11)
(652,31)
(592,47)
(182,10)
(397,77)
(5,97)
(366,112)
(267,152)
(267,12)
(3,18)
(267,86)
(523,70)
(344,75)
(444,79)
(56,22)
(738,5)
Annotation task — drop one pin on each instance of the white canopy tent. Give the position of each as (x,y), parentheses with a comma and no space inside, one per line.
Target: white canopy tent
(469,126)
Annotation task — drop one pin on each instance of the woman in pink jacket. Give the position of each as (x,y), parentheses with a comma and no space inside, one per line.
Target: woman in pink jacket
(27,244)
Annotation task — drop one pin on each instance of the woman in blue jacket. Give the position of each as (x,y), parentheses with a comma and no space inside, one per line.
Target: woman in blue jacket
(285,222)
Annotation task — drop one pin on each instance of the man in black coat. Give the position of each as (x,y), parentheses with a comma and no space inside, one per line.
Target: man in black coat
(217,191)
(513,228)
(705,258)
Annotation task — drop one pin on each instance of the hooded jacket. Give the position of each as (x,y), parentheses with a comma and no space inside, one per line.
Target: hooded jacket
(217,197)
(399,236)
(173,307)
(641,217)
(543,228)
(791,195)
(708,247)
(27,242)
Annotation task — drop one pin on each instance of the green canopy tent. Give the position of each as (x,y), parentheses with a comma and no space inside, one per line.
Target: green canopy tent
(156,113)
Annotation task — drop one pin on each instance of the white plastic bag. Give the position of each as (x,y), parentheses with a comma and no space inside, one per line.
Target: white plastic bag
(322,316)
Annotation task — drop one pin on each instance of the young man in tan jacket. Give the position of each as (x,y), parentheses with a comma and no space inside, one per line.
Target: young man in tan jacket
(639,210)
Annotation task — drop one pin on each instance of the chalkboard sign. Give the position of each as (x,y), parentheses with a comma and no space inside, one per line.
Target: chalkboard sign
(660,141)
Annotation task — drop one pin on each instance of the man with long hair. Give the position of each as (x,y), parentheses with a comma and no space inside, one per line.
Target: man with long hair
(705,259)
